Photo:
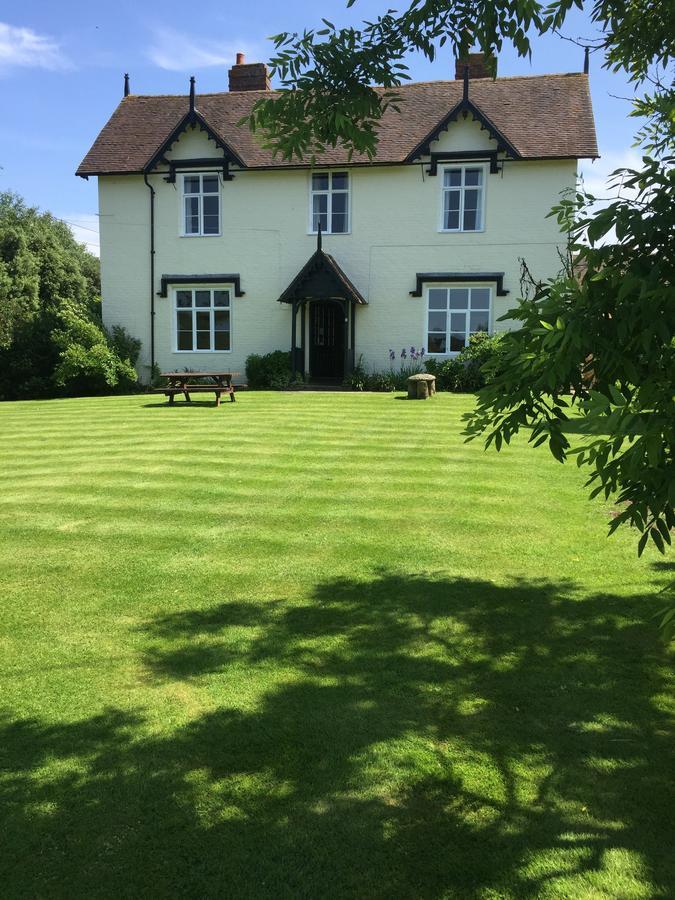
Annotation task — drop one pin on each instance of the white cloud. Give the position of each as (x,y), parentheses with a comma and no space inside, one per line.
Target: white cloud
(177,52)
(24,47)
(84,227)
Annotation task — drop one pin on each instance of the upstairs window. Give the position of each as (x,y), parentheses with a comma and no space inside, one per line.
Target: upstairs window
(202,319)
(454,314)
(201,205)
(329,202)
(463,198)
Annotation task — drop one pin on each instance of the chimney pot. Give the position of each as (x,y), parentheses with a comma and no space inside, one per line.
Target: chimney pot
(240,59)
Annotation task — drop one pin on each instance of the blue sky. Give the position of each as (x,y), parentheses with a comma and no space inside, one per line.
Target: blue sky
(62,65)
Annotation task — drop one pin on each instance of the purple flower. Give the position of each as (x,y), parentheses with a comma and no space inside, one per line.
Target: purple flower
(403,353)
(392,355)
(421,351)
(412,352)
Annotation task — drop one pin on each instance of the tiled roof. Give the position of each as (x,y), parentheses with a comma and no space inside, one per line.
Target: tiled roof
(542,116)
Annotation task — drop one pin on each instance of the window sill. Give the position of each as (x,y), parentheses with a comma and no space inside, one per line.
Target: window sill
(202,351)
(329,233)
(220,234)
(461,231)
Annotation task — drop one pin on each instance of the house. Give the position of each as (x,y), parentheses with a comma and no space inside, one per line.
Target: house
(213,249)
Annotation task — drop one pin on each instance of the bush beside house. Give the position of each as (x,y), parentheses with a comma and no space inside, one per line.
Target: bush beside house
(467,372)
(52,341)
(271,370)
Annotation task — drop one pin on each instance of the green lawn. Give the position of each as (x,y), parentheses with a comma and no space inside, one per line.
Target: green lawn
(315,646)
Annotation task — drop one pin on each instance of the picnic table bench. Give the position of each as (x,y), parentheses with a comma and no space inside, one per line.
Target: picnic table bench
(180,383)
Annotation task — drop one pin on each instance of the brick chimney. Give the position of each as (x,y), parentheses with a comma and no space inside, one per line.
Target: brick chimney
(476,64)
(248,76)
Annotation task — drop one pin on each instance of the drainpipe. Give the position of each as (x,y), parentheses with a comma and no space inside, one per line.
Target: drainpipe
(152,272)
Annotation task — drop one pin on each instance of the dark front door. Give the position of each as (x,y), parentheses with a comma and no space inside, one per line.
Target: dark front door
(326,340)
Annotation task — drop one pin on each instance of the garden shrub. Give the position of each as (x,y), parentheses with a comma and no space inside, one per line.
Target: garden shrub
(470,370)
(271,370)
(94,370)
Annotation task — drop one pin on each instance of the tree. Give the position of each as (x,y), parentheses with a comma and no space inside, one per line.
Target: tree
(598,340)
(51,337)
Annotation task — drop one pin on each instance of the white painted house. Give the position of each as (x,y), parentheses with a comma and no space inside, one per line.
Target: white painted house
(210,248)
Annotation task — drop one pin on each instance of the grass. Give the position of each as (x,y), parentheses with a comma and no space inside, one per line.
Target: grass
(313,645)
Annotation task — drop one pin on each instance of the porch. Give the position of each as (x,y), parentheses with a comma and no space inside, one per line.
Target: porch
(323,304)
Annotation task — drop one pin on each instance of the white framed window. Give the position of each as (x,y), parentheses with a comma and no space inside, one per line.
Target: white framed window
(463,198)
(200,213)
(454,313)
(329,202)
(203,319)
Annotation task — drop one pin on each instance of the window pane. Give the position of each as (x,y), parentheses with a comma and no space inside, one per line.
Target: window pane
(211,205)
(452,177)
(221,298)
(480,298)
(457,341)
(204,321)
(183,298)
(191,184)
(339,223)
(222,321)
(211,217)
(471,199)
(436,343)
(202,298)
(192,215)
(451,221)
(451,209)
(319,182)
(184,321)
(458,321)
(473,176)
(438,298)
(459,298)
(184,341)
(339,203)
(210,184)
(340,181)
(211,225)
(478,321)
(471,222)
(320,212)
(203,340)
(437,321)
(222,340)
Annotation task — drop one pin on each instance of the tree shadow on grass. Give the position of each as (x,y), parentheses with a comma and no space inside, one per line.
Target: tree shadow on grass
(407,737)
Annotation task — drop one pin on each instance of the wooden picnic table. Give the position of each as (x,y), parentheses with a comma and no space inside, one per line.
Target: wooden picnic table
(182,383)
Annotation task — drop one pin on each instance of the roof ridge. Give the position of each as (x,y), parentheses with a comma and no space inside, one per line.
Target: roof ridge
(377,87)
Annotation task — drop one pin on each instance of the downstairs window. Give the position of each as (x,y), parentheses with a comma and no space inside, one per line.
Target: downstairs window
(454,314)
(203,319)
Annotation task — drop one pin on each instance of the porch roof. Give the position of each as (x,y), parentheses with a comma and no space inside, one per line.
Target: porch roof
(322,278)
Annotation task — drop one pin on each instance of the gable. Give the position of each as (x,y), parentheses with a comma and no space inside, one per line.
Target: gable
(193,144)
(463,134)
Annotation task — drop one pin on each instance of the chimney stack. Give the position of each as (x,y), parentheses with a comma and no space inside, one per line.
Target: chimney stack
(476,65)
(248,76)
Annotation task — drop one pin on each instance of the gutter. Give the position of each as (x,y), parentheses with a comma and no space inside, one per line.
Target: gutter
(152,273)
